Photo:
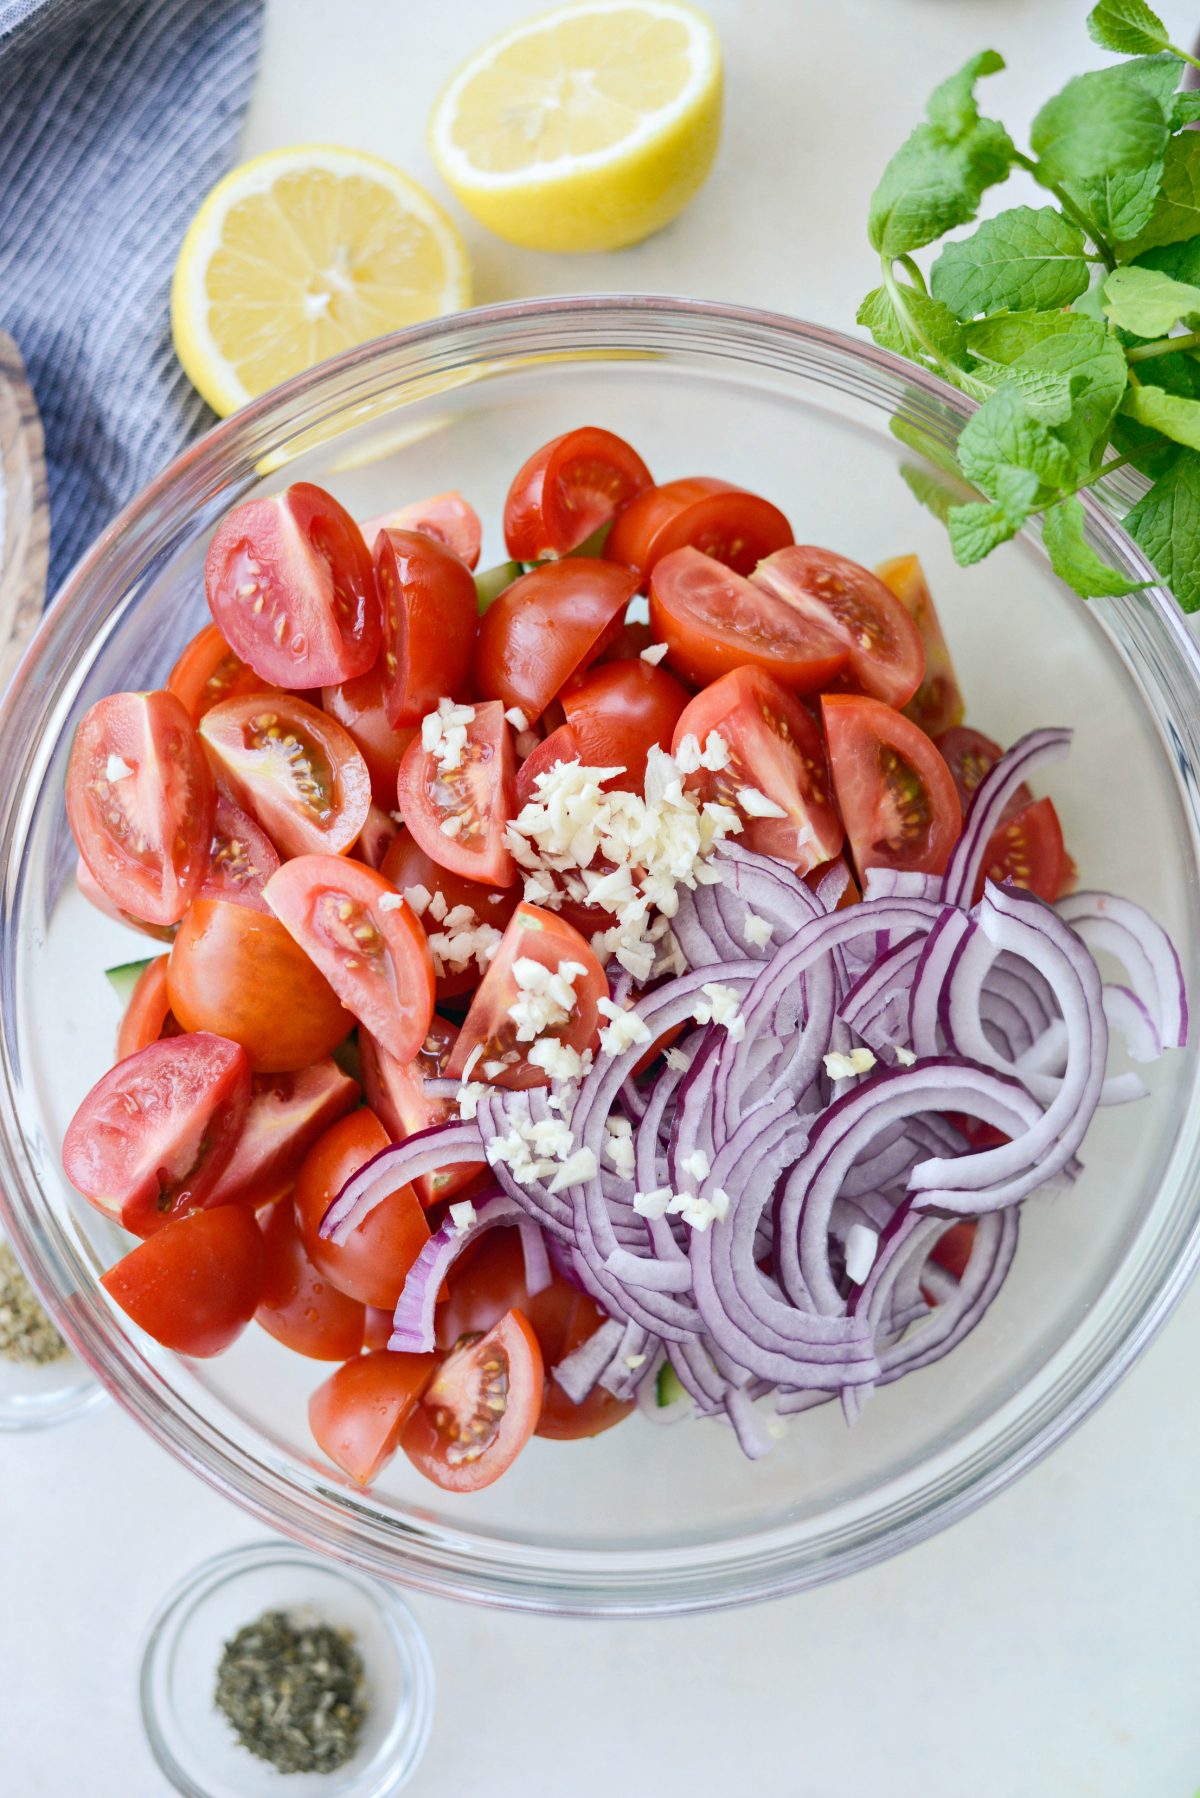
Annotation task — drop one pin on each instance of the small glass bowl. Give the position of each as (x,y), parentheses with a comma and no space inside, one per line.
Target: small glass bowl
(33,1398)
(191,1740)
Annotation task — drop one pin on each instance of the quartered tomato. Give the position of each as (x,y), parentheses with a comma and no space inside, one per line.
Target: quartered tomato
(886,657)
(459,815)
(152,1137)
(195,1284)
(894,791)
(376,837)
(358,707)
(714,620)
(567,490)
(208,672)
(430,611)
(140,801)
(299,1306)
(286,1115)
(479,1409)
(442,901)
(1026,848)
(356,928)
(373,1262)
(447,516)
(148,1010)
(547,626)
(397,1095)
(618,712)
(241,860)
(293,769)
(937,704)
(239,972)
(774,749)
(487,1280)
(95,895)
(543,937)
(561,745)
(290,583)
(358,1415)
(725,522)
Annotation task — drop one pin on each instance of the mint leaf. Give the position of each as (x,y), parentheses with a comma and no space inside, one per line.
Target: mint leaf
(1179,260)
(951,106)
(1185,110)
(1127,26)
(1176,417)
(1101,124)
(976,530)
(1047,395)
(1148,302)
(1095,366)
(1072,557)
(1177,216)
(1020,258)
(909,322)
(1166,523)
(932,493)
(1119,206)
(938,175)
(1003,438)
(1008,336)
(1155,453)
(1159,75)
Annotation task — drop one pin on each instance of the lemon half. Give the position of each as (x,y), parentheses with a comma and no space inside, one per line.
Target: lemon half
(584,129)
(300,254)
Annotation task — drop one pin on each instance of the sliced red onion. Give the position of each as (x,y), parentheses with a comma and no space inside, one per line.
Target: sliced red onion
(987,807)
(1123,930)
(398,1165)
(578,1372)
(413,1324)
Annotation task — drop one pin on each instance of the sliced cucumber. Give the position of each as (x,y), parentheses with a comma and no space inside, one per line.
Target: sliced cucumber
(593,545)
(669,1388)
(125,977)
(491,582)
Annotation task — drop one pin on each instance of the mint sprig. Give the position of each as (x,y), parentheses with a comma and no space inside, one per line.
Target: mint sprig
(1076,322)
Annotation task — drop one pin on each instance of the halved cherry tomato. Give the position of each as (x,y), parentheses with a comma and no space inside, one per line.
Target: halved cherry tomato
(619,712)
(358,707)
(459,815)
(894,791)
(376,837)
(479,1409)
(150,1140)
(534,935)
(299,1307)
(242,858)
(774,749)
(355,927)
(567,490)
(548,625)
(397,1095)
(140,800)
(627,645)
(937,704)
(358,1414)
(208,672)
(561,745)
(487,1280)
(290,583)
(447,516)
(699,512)
(373,1262)
(195,1284)
(238,972)
(95,895)
(430,611)
(952,1250)
(1026,848)
(1027,851)
(713,621)
(286,1116)
(379,1326)
(408,868)
(148,1010)
(293,769)
(848,602)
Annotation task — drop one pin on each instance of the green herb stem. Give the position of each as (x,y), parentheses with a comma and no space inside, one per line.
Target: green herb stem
(1106,254)
(1165,346)
(1183,55)
(912,269)
(896,295)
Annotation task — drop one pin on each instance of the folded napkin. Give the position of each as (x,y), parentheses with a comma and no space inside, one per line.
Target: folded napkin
(117,117)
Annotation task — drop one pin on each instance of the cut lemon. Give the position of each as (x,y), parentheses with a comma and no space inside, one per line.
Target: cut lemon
(303,253)
(586,128)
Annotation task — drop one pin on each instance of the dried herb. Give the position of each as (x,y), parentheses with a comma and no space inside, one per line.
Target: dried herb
(26,1334)
(293,1693)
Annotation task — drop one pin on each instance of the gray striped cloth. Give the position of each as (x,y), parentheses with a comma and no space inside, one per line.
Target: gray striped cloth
(116,117)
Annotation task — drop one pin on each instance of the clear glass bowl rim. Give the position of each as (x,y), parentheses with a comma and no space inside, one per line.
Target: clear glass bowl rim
(412,1550)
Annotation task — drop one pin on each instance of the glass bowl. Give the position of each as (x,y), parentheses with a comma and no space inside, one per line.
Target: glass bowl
(193,1742)
(631,1522)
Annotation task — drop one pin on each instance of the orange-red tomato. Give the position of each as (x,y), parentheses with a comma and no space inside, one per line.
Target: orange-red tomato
(886,657)
(358,1414)
(195,1284)
(358,707)
(447,516)
(408,868)
(713,620)
(286,1115)
(208,672)
(458,815)
(373,1262)
(567,490)
(895,793)
(547,626)
(430,609)
(397,1095)
(698,512)
(618,712)
(293,769)
(299,1306)
(238,972)
(479,1409)
(148,1010)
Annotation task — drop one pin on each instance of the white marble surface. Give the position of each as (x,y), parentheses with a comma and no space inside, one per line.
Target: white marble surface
(1045,1648)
